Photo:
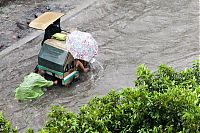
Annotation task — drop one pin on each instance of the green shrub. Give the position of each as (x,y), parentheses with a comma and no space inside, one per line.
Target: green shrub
(5,125)
(164,101)
(132,110)
(166,77)
(30,130)
(61,121)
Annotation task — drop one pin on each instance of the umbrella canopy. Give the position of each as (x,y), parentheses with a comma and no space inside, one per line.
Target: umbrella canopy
(82,45)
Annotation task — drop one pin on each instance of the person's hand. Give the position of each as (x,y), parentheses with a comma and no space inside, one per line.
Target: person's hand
(55,82)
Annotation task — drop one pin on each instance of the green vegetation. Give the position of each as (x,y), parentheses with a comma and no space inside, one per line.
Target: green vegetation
(166,77)
(5,125)
(162,101)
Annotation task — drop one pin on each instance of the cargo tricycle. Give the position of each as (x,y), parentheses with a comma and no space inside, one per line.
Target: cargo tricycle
(54,58)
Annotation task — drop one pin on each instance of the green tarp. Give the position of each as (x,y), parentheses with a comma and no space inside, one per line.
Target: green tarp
(31,87)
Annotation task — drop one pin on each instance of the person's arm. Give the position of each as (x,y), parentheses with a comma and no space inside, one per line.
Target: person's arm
(81,66)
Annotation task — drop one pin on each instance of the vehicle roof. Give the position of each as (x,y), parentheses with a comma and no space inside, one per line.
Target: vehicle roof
(44,20)
(57,44)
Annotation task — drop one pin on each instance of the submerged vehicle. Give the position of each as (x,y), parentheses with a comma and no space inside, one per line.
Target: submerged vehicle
(54,58)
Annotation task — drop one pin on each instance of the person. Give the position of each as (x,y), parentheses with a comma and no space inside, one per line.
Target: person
(82,65)
(32,86)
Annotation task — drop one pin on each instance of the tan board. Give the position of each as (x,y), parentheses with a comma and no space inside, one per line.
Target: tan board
(44,20)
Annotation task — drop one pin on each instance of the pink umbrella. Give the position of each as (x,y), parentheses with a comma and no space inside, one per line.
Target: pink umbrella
(82,45)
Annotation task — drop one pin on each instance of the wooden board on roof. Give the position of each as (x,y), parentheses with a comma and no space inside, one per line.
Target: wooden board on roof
(44,20)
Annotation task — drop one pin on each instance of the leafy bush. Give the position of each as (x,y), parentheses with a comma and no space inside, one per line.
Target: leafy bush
(164,101)
(166,77)
(5,125)
(132,110)
(61,121)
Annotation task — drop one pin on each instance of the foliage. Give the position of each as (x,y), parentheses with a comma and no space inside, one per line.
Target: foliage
(30,130)
(164,101)
(166,77)
(132,110)
(61,121)
(5,125)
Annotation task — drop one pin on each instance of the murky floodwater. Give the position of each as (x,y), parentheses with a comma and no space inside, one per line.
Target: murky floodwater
(129,33)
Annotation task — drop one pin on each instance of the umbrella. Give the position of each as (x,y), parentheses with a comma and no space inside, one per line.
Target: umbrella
(82,45)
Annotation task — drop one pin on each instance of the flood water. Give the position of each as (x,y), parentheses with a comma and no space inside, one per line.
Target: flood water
(129,33)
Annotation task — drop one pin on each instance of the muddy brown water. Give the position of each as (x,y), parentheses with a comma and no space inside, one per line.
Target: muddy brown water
(129,33)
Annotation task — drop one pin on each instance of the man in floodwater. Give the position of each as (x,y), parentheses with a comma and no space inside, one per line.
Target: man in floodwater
(32,86)
(82,65)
